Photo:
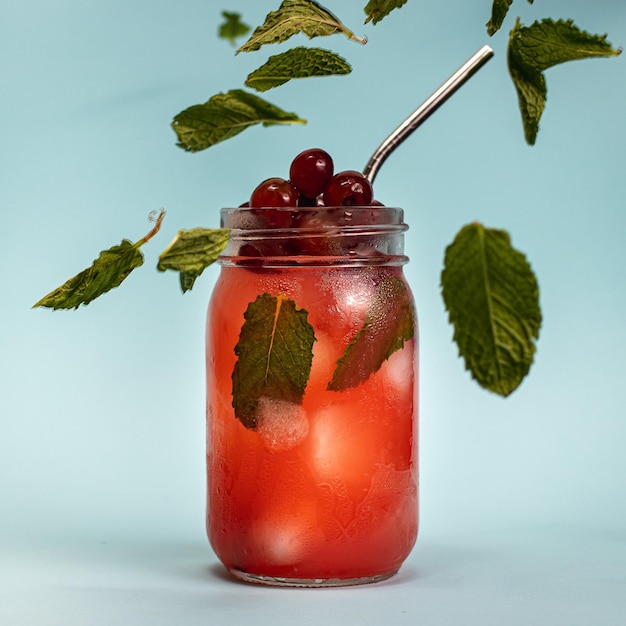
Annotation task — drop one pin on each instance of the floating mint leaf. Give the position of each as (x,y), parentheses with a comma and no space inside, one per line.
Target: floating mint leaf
(108,271)
(533,49)
(232,27)
(298,62)
(530,85)
(390,321)
(187,280)
(225,115)
(376,10)
(547,43)
(274,355)
(492,299)
(191,251)
(293,17)
(499,9)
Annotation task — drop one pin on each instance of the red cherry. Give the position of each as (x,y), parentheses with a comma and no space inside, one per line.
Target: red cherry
(274,192)
(317,244)
(310,171)
(270,196)
(348,188)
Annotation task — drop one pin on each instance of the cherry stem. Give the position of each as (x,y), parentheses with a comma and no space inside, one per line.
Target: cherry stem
(424,111)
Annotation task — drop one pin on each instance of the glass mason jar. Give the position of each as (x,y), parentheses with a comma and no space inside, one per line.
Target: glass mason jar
(312,397)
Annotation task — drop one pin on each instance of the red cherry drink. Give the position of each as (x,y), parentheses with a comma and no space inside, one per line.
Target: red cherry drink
(312,397)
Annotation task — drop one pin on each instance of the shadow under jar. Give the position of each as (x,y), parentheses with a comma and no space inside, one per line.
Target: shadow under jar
(312,397)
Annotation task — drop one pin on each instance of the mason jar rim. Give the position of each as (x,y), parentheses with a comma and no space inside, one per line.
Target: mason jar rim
(314,236)
(396,214)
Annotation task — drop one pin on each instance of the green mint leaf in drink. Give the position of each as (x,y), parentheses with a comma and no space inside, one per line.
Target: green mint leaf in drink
(492,299)
(274,355)
(376,10)
(225,115)
(191,251)
(499,9)
(232,28)
(108,271)
(533,49)
(294,17)
(390,321)
(300,62)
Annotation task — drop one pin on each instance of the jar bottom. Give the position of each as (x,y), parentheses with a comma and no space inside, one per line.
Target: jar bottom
(275,581)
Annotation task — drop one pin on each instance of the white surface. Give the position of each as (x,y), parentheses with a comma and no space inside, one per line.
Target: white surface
(575,576)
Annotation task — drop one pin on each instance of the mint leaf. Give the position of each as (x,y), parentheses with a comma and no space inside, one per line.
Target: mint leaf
(274,355)
(187,280)
(108,271)
(492,298)
(547,43)
(499,9)
(530,85)
(390,321)
(191,251)
(376,10)
(232,27)
(293,17)
(298,62)
(225,115)
(533,49)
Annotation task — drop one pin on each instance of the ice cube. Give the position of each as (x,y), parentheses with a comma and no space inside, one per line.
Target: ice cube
(327,439)
(325,354)
(346,305)
(281,424)
(398,370)
(283,542)
(344,444)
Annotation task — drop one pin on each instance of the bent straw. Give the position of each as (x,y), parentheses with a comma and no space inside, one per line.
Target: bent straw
(423,112)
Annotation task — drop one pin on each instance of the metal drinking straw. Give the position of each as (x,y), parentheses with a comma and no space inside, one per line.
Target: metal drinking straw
(423,112)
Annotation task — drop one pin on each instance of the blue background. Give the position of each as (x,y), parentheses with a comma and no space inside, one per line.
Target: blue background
(102,409)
